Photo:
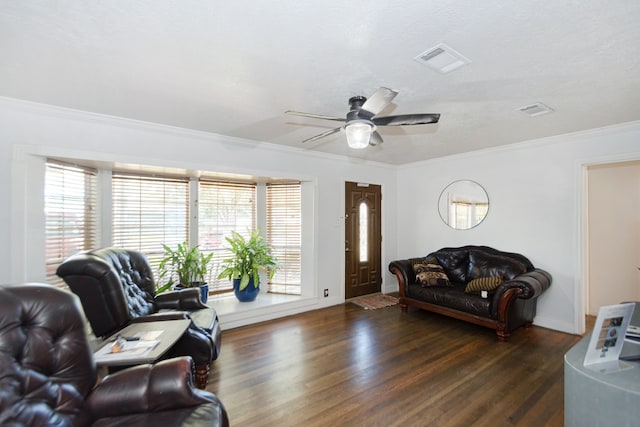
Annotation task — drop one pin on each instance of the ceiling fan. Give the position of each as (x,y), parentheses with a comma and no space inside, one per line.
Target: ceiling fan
(361,121)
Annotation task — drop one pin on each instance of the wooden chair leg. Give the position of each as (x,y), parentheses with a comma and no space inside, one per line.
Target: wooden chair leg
(202,376)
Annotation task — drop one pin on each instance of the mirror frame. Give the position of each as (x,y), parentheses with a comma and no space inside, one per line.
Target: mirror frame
(474,190)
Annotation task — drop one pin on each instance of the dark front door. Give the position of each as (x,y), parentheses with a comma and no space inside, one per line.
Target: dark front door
(362,239)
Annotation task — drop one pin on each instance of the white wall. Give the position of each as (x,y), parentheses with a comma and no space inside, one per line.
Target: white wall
(536,194)
(30,131)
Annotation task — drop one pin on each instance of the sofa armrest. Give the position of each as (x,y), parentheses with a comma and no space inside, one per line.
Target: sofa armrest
(526,286)
(532,283)
(183,299)
(163,386)
(403,270)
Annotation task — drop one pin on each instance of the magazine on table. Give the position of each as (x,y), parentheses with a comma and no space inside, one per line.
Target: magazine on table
(123,348)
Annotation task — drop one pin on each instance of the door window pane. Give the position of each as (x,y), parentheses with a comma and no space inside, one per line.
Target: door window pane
(363,212)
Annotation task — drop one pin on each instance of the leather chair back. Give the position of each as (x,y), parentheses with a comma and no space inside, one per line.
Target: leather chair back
(46,367)
(114,285)
(48,376)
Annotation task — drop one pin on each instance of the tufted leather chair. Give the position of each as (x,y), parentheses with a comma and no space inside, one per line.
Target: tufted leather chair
(48,376)
(116,287)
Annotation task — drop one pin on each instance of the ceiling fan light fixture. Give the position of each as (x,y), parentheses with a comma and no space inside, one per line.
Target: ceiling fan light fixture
(358,133)
(362,120)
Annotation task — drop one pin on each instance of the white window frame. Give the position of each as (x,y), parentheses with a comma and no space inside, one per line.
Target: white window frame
(286,241)
(163,201)
(62,238)
(241,225)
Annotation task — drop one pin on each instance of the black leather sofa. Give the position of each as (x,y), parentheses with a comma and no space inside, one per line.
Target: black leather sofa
(116,287)
(512,284)
(48,376)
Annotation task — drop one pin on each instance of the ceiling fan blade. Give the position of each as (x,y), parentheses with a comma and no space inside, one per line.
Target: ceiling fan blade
(322,135)
(406,119)
(315,116)
(376,139)
(378,101)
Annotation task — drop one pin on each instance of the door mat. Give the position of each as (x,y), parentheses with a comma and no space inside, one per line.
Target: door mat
(374,301)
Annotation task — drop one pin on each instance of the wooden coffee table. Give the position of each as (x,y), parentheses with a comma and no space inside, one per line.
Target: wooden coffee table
(154,340)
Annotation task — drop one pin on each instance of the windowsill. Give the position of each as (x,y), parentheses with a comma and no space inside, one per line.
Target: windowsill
(233,313)
(229,303)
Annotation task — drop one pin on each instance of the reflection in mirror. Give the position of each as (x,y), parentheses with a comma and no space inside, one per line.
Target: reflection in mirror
(463,204)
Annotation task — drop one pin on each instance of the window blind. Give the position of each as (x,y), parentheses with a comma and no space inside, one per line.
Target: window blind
(284,235)
(223,207)
(147,212)
(70,214)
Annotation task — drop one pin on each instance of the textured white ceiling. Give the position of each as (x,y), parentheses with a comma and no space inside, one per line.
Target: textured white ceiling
(234,67)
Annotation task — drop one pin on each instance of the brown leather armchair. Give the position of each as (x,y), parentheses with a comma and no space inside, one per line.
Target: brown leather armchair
(116,287)
(48,375)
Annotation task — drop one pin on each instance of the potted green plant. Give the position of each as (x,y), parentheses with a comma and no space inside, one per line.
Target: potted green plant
(189,265)
(250,257)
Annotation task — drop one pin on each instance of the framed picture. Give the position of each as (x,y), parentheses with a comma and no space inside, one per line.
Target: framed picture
(608,335)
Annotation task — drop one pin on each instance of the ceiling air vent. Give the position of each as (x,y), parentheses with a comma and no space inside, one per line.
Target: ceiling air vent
(442,58)
(536,109)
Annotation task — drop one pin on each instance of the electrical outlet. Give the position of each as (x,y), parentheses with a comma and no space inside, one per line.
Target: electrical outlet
(326,293)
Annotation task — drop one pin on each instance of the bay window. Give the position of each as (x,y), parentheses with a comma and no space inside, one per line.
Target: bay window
(145,211)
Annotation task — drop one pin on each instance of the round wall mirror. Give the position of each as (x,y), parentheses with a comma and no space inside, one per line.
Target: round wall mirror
(463,204)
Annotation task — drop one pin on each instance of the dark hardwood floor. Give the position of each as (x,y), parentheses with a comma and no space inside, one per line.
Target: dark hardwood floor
(346,366)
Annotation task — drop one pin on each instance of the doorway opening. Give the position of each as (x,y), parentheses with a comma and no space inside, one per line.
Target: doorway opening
(613,234)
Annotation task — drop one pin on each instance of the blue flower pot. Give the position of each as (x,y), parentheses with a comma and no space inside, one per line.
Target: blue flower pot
(204,293)
(248,294)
